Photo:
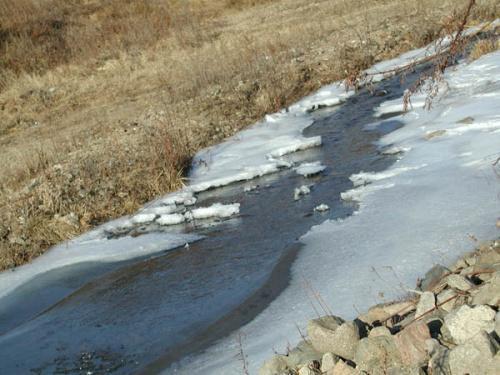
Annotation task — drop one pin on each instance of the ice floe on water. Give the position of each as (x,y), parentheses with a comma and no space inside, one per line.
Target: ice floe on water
(310,169)
(217,210)
(423,210)
(301,191)
(321,208)
(171,219)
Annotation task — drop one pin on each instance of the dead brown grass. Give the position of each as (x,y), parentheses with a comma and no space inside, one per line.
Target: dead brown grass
(103,103)
(483,47)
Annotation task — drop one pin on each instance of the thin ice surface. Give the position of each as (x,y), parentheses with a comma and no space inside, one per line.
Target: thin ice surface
(92,248)
(407,223)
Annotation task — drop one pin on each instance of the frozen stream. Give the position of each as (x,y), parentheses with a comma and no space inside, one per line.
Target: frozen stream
(148,314)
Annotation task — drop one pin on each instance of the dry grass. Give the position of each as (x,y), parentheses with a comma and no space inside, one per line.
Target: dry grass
(483,47)
(103,103)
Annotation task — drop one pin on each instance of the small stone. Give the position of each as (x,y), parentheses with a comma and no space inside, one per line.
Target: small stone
(489,257)
(304,352)
(459,264)
(446,295)
(466,120)
(305,370)
(379,331)
(439,364)
(488,293)
(275,365)
(401,370)
(342,368)
(465,322)
(312,368)
(474,356)
(411,343)
(434,134)
(376,355)
(470,259)
(432,346)
(328,361)
(383,312)
(497,324)
(279,364)
(426,304)
(459,282)
(433,277)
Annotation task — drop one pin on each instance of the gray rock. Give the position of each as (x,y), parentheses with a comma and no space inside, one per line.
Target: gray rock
(342,368)
(433,277)
(491,256)
(459,264)
(470,259)
(446,295)
(439,362)
(277,365)
(465,322)
(379,331)
(327,335)
(473,357)
(312,368)
(411,343)
(497,324)
(426,304)
(302,354)
(376,355)
(459,282)
(328,362)
(405,371)
(488,293)
(383,312)
(306,371)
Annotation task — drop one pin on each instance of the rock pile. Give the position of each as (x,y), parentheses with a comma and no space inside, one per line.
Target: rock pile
(451,327)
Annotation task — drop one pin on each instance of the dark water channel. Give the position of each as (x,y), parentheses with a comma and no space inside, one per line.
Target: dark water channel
(146,314)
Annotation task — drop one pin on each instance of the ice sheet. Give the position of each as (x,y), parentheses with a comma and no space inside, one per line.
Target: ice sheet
(406,221)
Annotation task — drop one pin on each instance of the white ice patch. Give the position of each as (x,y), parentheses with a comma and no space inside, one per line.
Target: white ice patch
(364,178)
(300,191)
(171,219)
(183,197)
(160,210)
(322,208)
(310,169)
(357,194)
(216,210)
(296,145)
(396,150)
(143,218)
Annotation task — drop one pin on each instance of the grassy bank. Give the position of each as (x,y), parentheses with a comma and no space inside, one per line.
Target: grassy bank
(103,103)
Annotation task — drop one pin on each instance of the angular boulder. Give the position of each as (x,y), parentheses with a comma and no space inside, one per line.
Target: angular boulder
(473,357)
(426,304)
(459,282)
(489,293)
(465,322)
(376,355)
(383,312)
(411,343)
(331,334)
